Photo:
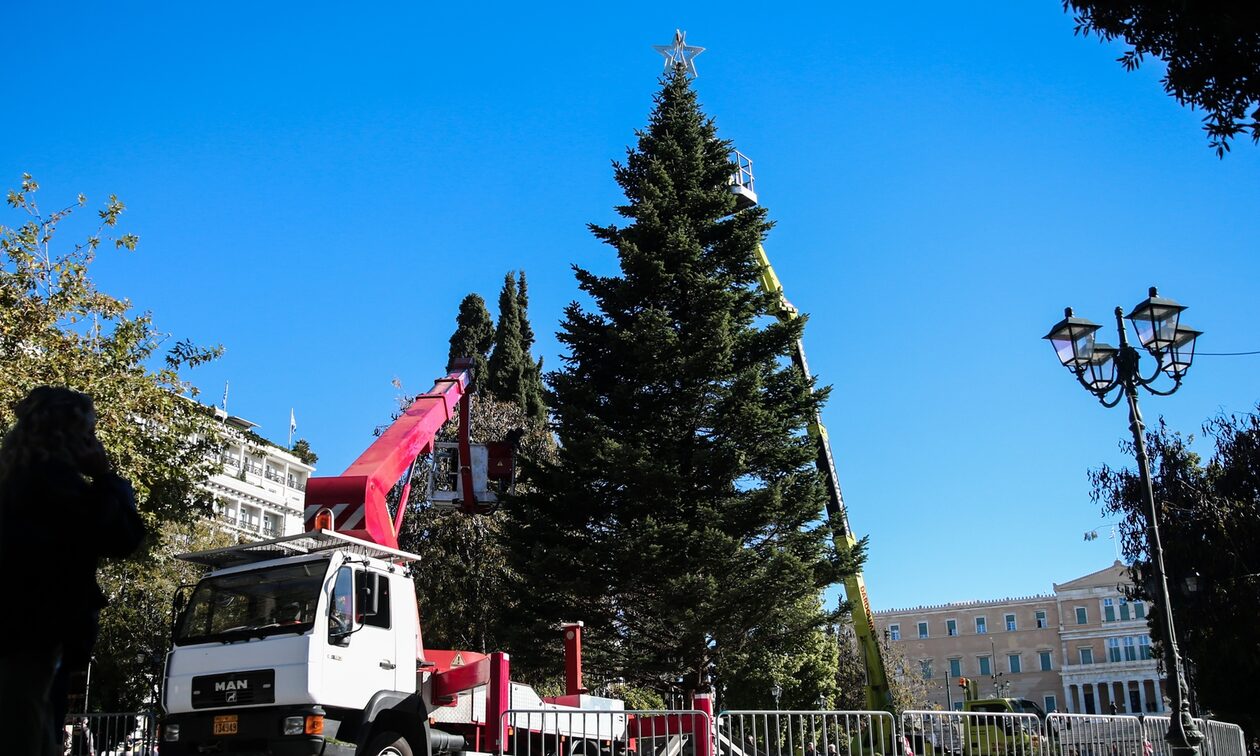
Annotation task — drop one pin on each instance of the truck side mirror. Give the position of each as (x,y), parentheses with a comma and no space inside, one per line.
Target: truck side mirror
(178,604)
(369,594)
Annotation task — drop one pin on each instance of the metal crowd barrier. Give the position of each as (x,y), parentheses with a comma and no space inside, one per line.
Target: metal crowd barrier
(806,733)
(1222,738)
(974,733)
(597,732)
(587,732)
(115,734)
(1128,735)
(1107,735)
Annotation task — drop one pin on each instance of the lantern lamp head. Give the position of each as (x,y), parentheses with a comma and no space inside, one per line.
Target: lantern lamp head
(1155,320)
(1073,341)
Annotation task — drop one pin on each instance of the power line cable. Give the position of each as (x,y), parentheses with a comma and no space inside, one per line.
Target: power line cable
(1224,354)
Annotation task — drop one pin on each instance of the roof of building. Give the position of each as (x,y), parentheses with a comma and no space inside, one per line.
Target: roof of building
(1117,573)
(974,603)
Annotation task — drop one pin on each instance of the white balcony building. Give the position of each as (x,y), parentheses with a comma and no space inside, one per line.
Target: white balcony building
(259,492)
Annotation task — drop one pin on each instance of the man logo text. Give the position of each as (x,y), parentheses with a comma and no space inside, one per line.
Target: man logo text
(219,687)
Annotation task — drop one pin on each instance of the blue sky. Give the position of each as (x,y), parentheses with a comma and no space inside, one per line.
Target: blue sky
(317,185)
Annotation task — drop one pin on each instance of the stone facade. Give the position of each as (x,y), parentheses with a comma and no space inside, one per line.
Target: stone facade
(1078,649)
(1106,647)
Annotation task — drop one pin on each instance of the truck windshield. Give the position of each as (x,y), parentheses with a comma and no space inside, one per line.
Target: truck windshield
(253,604)
(1023,705)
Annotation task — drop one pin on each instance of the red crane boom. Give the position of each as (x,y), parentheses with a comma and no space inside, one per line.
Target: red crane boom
(357,497)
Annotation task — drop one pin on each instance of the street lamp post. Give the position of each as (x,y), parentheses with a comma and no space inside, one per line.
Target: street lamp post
(776,691)
(1101,368)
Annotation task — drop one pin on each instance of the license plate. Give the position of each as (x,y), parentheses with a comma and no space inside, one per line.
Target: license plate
(225,725)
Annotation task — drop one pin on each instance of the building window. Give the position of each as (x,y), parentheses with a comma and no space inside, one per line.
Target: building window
(925,666)
(1130,650)
(1109,610)
(1124,609)
(1081,616)
(1113,649)
(1052,704)
(1045,661)
(894,632)
(981,626)
(1012,663)
(1139,610)
(985,665)
(923,633)
(1010,623)
(1042,622)
(1087,655)
(951,627)
(955,667)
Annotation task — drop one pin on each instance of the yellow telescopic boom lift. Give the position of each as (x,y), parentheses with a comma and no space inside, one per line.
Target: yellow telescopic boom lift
(878,694)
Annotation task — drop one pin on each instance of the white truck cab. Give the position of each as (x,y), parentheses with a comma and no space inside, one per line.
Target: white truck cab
(287,644)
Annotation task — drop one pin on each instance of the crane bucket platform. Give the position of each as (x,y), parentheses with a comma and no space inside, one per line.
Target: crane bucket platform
(490,467)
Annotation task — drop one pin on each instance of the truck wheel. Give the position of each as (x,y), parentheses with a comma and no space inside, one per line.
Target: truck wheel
(387,743)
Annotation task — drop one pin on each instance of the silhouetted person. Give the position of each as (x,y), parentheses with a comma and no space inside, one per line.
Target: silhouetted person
(61,509)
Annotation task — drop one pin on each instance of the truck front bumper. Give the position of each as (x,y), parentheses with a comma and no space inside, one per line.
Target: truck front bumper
(258,732)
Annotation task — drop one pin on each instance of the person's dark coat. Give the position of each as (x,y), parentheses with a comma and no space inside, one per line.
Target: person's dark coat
(55,526)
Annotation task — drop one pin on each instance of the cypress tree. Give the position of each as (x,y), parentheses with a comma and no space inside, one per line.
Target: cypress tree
(507,360)
(474,333)
(681,520)
(535,404)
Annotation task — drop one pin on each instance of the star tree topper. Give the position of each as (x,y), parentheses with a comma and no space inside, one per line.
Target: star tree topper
(680,53)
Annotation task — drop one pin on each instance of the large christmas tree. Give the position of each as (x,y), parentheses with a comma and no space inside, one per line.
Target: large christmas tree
(682,521)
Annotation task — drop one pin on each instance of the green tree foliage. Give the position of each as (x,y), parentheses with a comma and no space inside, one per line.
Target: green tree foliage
(1209,522)
(910,691)
(57,328)
(507,360)
(473,337)
(1212,50)
(136,626)
(464,587)
(681,521)
(302,450)
(514,376)
(535,392)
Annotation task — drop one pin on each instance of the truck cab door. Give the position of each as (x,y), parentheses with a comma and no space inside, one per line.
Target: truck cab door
(362,651)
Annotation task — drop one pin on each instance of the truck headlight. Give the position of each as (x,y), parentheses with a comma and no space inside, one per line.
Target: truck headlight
(311,724)
(170,733)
